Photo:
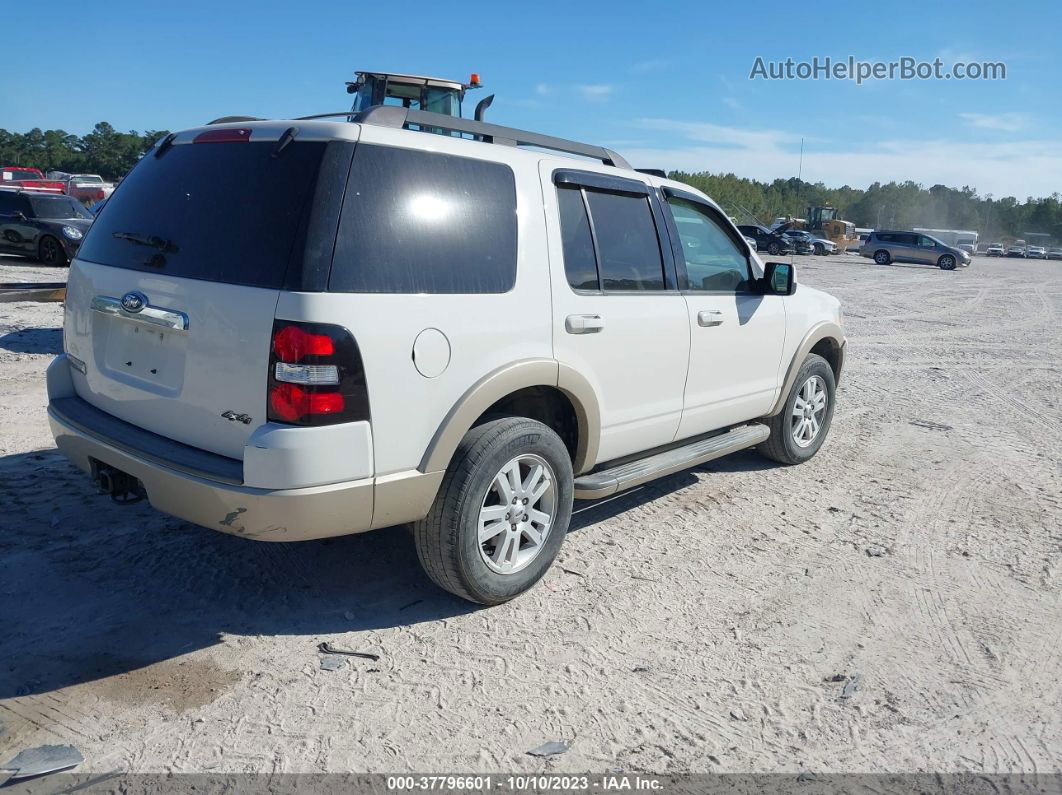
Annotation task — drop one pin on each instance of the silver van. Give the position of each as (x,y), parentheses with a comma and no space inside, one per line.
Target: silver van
(885,246)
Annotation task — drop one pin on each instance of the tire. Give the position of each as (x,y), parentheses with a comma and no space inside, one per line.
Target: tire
(447,539)
(782,446)
(946,263)
(820,249)
(774,249)
(882,257)
(50,252)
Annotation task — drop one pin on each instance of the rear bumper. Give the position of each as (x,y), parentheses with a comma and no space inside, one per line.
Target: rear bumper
(204,488)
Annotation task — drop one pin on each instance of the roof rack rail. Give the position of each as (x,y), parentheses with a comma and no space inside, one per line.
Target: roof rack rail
(398,117)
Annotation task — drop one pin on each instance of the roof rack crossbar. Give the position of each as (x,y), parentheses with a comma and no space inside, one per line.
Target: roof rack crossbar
(398,117)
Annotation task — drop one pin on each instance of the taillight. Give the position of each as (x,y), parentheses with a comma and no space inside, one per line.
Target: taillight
(99,194)
(315,375)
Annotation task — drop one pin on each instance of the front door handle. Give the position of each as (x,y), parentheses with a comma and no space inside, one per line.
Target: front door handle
(584,324)
(709,317)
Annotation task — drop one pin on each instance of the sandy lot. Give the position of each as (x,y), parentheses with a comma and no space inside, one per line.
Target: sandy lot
(703,623)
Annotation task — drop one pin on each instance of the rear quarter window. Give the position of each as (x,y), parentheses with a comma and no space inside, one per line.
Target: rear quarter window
(424,222)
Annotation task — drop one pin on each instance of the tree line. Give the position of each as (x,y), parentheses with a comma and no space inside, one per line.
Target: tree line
(892,205)
(898,205)
(104,151)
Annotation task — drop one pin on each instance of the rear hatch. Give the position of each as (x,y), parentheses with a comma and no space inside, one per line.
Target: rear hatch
(170,302)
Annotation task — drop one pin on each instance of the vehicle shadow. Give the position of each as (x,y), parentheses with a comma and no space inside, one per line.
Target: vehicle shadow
(90,589)
(33,340)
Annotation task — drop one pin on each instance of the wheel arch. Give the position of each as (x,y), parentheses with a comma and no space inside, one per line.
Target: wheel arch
(825,339)
(519,383)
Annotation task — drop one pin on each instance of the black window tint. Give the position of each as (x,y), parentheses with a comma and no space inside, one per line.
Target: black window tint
(231,212)
(579,262)
(628,251)
(422,222)
(886,238)
(910,240)
(714,260)
(8,201)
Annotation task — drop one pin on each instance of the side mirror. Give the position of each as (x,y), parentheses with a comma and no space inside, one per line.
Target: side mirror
(19,215)
(779,278)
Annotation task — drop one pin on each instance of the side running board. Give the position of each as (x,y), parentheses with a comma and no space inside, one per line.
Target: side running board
(634,473)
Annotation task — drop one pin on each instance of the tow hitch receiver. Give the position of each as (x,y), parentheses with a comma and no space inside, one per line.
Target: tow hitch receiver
(123,487)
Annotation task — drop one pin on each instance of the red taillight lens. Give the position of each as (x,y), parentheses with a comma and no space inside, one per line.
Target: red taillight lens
(315,376)
(99,194)
(228,135)
(291,403)
(291,344)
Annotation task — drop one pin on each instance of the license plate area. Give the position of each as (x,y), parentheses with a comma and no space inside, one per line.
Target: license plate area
(143,355)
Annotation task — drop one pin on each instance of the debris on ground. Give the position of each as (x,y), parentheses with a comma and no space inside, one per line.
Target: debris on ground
(641,669)
(332,662)
(851,686)
(552,748)
(875,552)
(328,648)
(40,761)
(737,714)
(836,678)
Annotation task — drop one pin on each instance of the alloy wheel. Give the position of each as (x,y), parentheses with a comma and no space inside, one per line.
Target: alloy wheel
(517,514)
(809,411)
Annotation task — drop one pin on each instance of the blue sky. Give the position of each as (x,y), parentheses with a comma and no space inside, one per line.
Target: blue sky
(666,84)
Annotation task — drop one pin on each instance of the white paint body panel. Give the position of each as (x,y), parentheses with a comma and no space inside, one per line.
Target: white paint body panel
(219,364)
(735,367)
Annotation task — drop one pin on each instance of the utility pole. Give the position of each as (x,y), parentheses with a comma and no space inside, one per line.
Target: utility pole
(800,168)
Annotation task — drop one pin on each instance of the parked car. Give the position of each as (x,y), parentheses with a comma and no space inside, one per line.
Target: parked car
(995,250)
(411,343)
(1016,251)
(28,178)
(807,243)
(44,227)
(774,243)
(86,188)
(752,243)
(885,246)
(95,208)
(1054,252)
(969,248)
(1036,252)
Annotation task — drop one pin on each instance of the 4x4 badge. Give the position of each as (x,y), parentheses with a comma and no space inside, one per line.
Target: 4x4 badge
(232,416)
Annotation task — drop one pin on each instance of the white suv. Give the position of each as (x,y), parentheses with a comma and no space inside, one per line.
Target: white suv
(289,330)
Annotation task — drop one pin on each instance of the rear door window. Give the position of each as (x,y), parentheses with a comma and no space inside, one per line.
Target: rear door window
(628,250)
(424,222)
(226,212)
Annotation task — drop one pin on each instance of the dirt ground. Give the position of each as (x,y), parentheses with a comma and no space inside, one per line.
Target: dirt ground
(893,605)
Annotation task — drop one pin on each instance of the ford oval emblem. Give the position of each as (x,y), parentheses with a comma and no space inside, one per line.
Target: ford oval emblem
(134,302)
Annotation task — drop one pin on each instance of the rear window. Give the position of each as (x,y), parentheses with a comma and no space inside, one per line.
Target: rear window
(423,222)
(228,212)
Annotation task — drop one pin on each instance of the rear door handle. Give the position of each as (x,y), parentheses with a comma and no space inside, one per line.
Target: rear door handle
(584,324)
(709,317)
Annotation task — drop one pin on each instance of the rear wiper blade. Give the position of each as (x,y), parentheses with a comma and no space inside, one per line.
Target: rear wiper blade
(152,241)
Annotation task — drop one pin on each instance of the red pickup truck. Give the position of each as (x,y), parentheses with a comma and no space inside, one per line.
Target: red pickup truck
(29,179)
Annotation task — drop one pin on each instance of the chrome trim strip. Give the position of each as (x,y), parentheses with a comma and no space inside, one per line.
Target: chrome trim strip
(151,315)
